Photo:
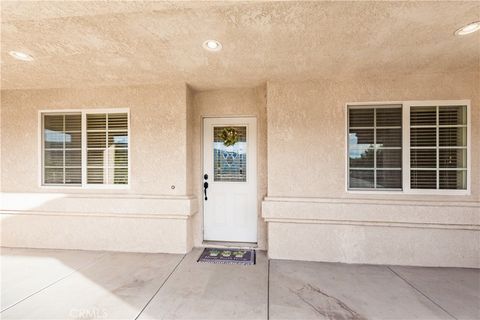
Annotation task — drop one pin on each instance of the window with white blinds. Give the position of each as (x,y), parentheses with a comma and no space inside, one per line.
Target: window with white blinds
(375,147)
(85,148)
(107,148)
(413,146)
(62,149)
(438,147)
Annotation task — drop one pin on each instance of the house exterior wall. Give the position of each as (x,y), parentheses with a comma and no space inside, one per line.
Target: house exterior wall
(310,214)
(226,103)
(158,199)
(306,214)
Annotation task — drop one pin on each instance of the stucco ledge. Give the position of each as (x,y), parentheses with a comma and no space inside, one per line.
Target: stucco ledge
(370,212)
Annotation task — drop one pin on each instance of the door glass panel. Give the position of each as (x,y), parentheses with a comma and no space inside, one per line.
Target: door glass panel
(230,162)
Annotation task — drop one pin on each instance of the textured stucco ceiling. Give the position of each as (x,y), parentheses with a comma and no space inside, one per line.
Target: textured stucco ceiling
(84,43)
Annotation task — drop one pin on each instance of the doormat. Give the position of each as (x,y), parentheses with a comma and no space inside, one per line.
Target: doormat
(228,256)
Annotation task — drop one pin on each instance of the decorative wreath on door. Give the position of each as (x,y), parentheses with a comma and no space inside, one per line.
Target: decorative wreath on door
(229,136)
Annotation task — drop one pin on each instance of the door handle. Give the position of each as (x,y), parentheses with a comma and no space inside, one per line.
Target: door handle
(205,187)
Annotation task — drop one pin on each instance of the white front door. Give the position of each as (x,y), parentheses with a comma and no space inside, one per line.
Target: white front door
(230,204)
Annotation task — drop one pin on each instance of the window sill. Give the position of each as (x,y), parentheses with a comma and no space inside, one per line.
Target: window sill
(87,187)
(413,192)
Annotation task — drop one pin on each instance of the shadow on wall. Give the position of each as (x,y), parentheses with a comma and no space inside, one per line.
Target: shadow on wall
(113,222)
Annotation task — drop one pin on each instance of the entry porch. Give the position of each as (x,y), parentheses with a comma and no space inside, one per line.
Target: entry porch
(68,284)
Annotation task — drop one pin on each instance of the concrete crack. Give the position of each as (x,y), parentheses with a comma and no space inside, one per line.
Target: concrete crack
(325,304)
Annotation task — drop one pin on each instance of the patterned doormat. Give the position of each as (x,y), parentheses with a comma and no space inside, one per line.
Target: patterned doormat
(228,256)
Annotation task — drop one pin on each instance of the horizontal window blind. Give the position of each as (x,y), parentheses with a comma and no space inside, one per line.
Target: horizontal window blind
(106,148)
(375,147)
(438,147)
(62,143)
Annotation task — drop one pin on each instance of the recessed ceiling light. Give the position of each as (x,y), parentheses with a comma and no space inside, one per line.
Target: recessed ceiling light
(212,45)
(21,56)
(469,28)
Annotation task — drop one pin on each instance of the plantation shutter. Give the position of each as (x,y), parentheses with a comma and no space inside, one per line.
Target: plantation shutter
(62,149)
(438,147)
(107,148)
(375,147)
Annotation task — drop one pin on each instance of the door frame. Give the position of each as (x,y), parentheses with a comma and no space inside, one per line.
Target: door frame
(202,169)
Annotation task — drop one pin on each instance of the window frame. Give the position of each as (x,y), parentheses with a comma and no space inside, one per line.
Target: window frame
(375,127)
(83,113)
(406,185)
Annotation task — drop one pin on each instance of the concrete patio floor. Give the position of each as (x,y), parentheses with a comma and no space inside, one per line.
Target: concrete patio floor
(61,284)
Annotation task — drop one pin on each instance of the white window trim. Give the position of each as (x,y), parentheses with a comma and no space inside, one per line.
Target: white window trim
(406,105)
(84,184)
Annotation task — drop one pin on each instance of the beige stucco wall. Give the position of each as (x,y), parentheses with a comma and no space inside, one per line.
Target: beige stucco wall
(226,103)
(310,214)
(190,140)
(159,194)
(306,128)
(165,151)
(158,134)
